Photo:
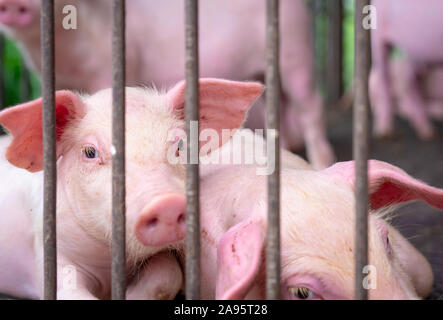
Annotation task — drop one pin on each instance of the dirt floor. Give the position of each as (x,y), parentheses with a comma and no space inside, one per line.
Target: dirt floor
(420,223)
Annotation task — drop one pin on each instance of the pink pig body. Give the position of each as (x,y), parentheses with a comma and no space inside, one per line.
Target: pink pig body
(317,233)
(232,45)
(155,201)
(84,203)
(404,24)
(316,206)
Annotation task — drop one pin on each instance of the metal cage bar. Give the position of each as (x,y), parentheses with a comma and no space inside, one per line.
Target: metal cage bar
(49,151)
(118,245)
(334,51)
(361,145)
(192,169)
(272,78)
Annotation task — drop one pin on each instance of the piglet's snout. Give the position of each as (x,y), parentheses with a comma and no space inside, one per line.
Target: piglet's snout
(15,13)
(162,221)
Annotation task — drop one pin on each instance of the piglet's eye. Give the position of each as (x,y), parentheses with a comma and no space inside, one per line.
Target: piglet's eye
(90,152)
(386,239)
(301,293)
(388,244)
(180,147)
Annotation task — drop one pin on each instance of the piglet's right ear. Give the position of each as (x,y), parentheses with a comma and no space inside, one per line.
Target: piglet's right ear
(223,104)
(24,122)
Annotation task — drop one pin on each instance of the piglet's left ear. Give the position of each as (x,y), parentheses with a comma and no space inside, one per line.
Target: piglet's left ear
(389,184)
(223,103)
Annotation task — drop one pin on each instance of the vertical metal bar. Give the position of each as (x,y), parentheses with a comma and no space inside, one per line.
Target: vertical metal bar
(49,151)
(272,78)
(192,169)
(361,146)
(118,248)
(334,51)
(2,72)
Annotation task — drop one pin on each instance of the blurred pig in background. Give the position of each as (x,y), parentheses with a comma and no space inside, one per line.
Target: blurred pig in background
(232,45)
(416,29)
(82,55)
(430,82)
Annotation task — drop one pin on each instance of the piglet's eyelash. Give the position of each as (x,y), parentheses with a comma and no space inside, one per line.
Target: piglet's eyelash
(388,244)
(386,240)
(180,147)
(90,152)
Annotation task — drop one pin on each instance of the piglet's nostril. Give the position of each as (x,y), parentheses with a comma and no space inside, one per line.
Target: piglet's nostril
(181,219)
(152,223)
(3,9)
(22,10)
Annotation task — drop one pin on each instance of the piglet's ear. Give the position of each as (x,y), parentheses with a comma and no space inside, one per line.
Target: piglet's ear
(389,184)
(223,103)
(239,256)
(24,122)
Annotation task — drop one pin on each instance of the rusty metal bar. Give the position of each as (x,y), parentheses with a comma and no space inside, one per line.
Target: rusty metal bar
(361,146)
(272,78)
(192,169)
(49,151)
(118,245)
(334,51)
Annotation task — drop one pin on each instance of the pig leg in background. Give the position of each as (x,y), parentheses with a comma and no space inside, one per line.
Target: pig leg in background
(381,88)
(160,279)
(305,107)
(412,105)
(432,86)
(290,135)
(435,109)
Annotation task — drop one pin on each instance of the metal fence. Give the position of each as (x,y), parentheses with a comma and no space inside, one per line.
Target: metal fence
(272,78)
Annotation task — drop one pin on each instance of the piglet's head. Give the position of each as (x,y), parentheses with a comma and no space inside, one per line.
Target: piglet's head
(389,186)
(317,240)
(155,196)
(19,15)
